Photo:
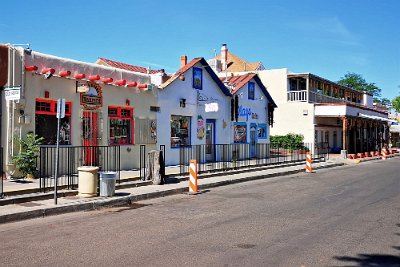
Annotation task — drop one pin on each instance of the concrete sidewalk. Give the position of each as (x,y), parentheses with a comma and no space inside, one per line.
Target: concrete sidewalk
(68,201)
(38,205)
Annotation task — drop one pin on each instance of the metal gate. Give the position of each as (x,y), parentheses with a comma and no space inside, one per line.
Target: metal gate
(2,173)
(90,137)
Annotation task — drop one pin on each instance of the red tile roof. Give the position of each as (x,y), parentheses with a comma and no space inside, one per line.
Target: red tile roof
(181,71)
(120,65)
(237,82)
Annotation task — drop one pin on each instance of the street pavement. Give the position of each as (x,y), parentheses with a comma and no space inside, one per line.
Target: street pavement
(341,216)
(37,205)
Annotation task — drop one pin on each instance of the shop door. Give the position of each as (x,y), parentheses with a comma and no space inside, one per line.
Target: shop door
(253,140)
(210,140)
(90,137)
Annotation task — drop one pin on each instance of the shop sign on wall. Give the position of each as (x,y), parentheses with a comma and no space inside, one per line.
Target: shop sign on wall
(93,98)
(211,107)
(245,112)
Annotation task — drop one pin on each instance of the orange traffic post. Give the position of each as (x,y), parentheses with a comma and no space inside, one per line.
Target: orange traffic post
(384,153)
(193,177)
(309,162)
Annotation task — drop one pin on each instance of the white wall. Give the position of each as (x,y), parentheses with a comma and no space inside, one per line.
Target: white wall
(276,83)
(289,117)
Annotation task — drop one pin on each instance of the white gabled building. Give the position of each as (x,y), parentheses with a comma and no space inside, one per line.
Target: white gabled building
(194,110)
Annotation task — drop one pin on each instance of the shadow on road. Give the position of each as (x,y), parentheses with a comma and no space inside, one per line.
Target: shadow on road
(373,260)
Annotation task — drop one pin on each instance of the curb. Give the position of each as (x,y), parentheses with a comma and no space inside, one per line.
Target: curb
(28,195)
(124,200)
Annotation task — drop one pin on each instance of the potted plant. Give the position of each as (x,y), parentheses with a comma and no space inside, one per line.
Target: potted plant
(25,161)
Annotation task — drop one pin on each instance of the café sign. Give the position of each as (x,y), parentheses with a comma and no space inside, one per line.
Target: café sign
(93,98)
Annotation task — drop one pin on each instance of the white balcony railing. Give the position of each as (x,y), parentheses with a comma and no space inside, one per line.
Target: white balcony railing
(314,97)
(297,96)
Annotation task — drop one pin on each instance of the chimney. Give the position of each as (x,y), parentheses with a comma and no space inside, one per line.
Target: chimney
(183,61)
(224,56)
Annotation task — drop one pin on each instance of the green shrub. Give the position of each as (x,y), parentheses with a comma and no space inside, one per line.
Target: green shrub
(290,141)
(25,161)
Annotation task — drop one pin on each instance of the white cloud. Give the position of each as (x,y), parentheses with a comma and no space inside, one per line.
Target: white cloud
(331,29)
(158,66)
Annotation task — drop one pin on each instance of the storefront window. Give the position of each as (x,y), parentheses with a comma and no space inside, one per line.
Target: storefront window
(240,132)
(180,131)
(46,122)
(121,125)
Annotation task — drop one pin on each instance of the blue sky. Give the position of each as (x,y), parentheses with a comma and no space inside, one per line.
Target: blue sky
(327,38)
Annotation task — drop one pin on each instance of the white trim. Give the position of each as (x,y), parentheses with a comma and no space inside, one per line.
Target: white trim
(374,117)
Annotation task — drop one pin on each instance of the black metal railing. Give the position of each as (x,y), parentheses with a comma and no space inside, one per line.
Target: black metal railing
(107,158)
(2,173)
(143,159)
(223,157)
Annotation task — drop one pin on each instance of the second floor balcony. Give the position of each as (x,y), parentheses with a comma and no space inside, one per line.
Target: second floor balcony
(318,97)
(310,88)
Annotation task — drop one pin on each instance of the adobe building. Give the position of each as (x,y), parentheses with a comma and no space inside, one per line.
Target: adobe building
(105,105)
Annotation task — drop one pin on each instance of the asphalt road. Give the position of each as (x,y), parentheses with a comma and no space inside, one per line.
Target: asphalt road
(347,216)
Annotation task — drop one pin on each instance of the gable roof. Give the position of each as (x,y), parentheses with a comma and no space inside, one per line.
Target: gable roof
(237,82)
(236,64)
(205,66)
(120,65)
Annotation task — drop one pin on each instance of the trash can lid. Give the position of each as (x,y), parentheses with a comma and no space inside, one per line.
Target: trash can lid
(108,175)
(88,168)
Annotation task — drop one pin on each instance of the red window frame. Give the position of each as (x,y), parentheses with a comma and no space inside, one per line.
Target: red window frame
(120,115)
(53,107)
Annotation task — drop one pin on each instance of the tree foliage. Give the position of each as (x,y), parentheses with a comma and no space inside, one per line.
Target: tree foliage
(357,82)
(396,104)
(384,101)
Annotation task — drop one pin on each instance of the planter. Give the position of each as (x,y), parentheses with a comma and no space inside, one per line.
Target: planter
(10,170)
(30,176)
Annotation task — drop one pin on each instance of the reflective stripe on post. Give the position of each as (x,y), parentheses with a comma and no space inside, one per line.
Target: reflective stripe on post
(193,176)
(384,154)
(309,162)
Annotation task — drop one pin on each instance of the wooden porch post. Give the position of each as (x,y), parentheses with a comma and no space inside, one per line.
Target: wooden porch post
(344,151)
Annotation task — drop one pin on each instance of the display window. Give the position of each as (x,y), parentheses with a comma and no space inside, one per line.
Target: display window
(240,132)
(180,131)
(46,122)
(120,125)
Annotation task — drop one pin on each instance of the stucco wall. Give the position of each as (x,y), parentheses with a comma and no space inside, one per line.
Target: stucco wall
(289,117)
(57,87)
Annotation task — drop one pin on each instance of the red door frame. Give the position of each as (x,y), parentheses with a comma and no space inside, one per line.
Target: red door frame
(90,137)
